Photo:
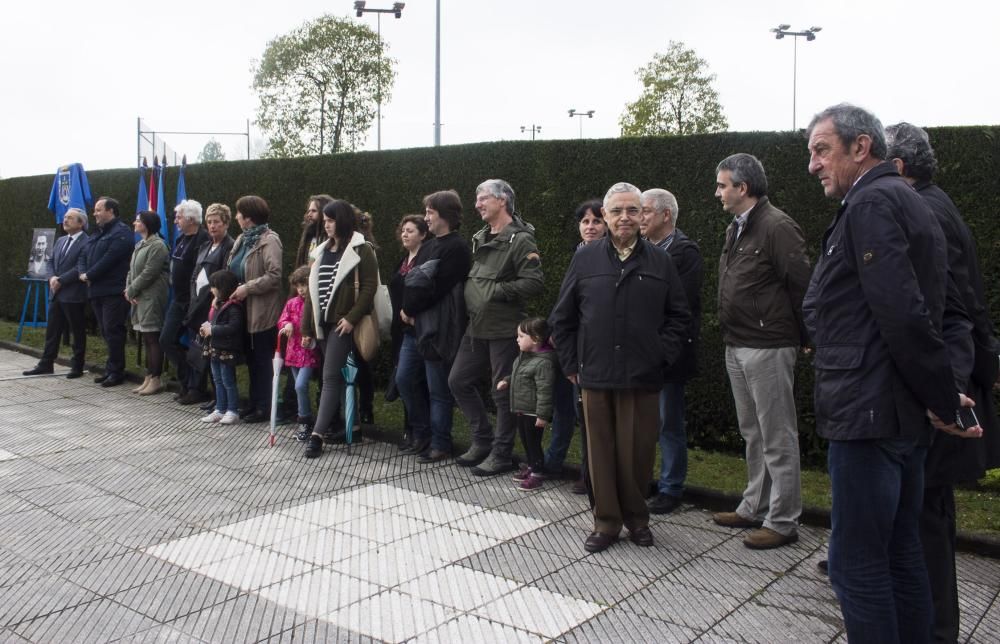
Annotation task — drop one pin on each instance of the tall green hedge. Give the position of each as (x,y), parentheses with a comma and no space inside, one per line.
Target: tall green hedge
(550,178)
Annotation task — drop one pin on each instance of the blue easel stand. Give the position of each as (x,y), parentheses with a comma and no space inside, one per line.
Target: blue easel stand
(39,288)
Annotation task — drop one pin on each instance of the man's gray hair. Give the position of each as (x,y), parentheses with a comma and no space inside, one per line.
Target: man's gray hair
(911,144)
(850,122)
(661,200)
(189,209)
(79,214)
(620,187)
(499,189)
(745,168)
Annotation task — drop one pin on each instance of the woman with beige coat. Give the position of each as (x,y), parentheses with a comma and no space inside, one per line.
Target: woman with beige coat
(146,287)
(256,260)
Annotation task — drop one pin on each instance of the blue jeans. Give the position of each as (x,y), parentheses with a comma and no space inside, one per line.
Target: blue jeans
(227,395)
(673,440)
(302,375)
(876,561)
(442,404)
(563,422)
(412,386)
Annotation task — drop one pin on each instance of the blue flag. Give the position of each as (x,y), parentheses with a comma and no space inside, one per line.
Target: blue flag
(161,208)
(69,190)
(181,191)
(142,203)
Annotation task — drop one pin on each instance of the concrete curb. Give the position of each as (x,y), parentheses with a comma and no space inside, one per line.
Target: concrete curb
(706,498)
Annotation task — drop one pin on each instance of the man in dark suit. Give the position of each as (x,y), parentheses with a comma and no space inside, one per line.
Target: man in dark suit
(658,225)
(103,268)
(67,296)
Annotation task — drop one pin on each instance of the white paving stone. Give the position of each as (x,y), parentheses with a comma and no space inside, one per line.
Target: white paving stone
(459,587)
(324,546)
(469,628)
(391,616)
(267,529)
(319,592)
(6,456)
(328,513)
(254,569)
(437,510)
(200,549)
(446,544)
(539,611)
(497,524)
(385,527)
(387,565)
(381,496)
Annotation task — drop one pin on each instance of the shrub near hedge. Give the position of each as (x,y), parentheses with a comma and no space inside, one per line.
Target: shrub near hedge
(550,179)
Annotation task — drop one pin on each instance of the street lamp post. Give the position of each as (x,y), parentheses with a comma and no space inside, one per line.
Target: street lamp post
(396,10)
(533,129)
(589,114)
(809,34)
(437,77)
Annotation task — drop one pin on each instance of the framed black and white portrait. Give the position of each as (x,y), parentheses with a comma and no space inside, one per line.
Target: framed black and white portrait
(42,242)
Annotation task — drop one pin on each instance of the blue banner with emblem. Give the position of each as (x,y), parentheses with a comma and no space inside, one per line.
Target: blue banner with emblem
(69,190)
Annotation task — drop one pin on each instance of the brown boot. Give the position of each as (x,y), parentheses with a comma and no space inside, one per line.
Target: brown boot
(145,383)
(766,538)
(154,386)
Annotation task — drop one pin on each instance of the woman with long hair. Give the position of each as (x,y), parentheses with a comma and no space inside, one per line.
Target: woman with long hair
(146,288)
(342,283)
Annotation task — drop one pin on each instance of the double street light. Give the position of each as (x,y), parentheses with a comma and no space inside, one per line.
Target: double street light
(534,129)
(589,114)
(397,11)
(809,34)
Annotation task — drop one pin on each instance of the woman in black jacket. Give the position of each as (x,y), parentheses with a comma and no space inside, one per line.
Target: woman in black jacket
(211,257)
(409,373)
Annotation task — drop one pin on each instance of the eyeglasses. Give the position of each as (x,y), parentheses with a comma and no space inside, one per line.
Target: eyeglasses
(618,212)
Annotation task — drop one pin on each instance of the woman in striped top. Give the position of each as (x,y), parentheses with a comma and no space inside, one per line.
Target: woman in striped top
(342,284)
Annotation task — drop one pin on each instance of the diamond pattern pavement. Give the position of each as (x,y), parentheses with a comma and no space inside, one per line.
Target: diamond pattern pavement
(125,519)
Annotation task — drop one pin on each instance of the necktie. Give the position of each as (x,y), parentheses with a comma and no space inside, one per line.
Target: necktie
(65,249)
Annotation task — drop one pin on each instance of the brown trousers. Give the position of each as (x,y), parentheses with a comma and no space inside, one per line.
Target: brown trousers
(622,428)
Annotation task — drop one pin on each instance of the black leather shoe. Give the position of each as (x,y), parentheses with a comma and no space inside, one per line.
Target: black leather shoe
(824,566)
(76,373)
(192,397)
(246,411)
(418,447)
(664,504)
(37,371)
(257,417)
(598,541)
(406,443)
(314,446)
(641,536)
(100,379)
(208,406)
(434,456)
(112,381)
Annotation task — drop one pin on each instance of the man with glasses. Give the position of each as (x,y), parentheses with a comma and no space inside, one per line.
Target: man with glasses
(763,276)
(506,271)
(619,293)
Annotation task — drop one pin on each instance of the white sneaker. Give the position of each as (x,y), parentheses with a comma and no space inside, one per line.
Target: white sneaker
(214,417)
(229,418)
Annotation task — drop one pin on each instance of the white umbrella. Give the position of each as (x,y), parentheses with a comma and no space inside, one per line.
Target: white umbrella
(276,364)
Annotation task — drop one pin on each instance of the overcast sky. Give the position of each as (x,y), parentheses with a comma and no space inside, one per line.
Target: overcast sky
(75,76)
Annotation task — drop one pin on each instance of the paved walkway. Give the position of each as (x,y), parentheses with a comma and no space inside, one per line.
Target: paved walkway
(125,519)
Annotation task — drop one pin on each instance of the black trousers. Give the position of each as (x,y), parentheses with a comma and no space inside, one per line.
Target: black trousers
(63,316)
(260,356)
(111,312)
(937,535)
(531,439)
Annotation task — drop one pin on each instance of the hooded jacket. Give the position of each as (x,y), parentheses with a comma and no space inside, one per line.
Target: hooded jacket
(506,271)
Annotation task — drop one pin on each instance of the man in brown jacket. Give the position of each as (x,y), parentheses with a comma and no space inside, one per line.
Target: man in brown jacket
(763,275)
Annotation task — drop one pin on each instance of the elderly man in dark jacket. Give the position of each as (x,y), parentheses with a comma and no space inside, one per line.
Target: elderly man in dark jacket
(103,266)
(874,309)
(67,296)
(618,325)
(659,227)
(951,459)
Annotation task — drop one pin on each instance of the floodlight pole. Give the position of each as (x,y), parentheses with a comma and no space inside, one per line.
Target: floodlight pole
(396,10)
(533,129)
(809,34)
(589,114)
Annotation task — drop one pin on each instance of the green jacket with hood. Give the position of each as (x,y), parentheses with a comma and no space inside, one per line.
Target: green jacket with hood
(506,271)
